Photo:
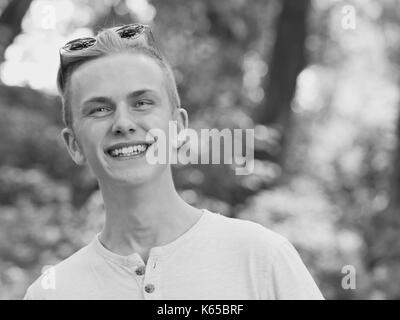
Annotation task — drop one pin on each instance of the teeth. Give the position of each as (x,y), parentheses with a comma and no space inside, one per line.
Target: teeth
(128,151)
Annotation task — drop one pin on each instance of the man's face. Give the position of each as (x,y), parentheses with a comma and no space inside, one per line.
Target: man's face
(116,100)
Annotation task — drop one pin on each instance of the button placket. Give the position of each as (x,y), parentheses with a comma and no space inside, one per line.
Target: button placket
(151,285)
(137,268)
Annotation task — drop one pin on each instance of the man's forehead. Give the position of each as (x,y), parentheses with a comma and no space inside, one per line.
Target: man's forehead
(119,72)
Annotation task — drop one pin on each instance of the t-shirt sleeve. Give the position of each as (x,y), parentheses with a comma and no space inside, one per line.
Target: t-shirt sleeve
(34,292)
(28,295)
(289,276)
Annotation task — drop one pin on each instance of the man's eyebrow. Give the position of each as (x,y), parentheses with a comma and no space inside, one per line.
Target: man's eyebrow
(139,93)
(131,95)
(97,99)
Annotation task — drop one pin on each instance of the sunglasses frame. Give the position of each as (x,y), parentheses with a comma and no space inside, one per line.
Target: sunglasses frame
(123,31)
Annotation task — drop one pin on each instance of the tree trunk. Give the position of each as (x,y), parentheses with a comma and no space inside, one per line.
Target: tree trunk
(287,61)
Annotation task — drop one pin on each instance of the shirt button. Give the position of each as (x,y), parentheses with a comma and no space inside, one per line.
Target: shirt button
(140,270)
(149,288)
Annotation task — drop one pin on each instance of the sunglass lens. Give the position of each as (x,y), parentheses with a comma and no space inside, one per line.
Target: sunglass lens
(76,46)
(130,32)
(81,44)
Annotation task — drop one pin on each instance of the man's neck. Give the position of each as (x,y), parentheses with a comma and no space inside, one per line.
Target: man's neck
(140,218)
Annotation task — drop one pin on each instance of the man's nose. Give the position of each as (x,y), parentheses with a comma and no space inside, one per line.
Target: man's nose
(123,122)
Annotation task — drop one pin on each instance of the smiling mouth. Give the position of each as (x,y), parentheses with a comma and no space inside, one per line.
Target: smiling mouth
(127,150)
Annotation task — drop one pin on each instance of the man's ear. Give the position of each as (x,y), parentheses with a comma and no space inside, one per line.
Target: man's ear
(182,119)
(73,147)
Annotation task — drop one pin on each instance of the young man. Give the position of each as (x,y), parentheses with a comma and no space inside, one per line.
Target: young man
(116,88)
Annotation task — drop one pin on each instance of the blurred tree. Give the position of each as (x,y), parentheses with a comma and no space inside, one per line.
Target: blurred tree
(10,23)
(208,44)
(116,14)
(382,231)
(287,61)
(395,178)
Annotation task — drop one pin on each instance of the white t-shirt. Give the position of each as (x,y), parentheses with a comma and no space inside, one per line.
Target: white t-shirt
(217,258)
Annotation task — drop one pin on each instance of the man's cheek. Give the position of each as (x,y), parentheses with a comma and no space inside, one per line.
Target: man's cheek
(88,148)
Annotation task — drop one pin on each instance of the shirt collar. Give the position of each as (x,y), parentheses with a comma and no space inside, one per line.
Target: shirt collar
(135,259)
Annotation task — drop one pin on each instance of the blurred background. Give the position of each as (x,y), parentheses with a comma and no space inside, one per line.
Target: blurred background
(317,80)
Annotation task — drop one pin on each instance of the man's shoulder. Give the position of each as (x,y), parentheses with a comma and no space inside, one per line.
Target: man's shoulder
(248,234)
(283,272)
(56,278)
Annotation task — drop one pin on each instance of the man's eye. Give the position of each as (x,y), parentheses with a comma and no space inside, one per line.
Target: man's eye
(99,110)
(142,103)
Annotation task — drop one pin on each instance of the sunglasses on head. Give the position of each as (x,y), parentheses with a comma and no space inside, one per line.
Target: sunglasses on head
(130,32)
(137,31)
